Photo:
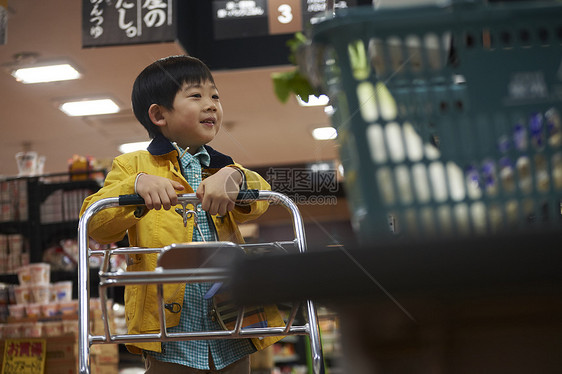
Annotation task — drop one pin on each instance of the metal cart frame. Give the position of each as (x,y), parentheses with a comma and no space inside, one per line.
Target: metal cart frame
(189,275)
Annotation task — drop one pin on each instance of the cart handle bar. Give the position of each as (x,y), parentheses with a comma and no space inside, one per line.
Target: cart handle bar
(136,199)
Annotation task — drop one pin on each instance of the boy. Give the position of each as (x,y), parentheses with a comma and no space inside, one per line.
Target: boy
(176,100)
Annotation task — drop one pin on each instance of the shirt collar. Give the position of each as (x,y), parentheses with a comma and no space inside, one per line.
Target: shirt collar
(201,154)
(160,146)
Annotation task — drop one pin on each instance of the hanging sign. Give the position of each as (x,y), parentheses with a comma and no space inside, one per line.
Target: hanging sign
(122,22)
(251,18)
(24,356)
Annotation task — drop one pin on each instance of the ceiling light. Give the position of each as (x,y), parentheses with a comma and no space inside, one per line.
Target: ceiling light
(324,133)
(131,147)
(89,107)
(314,100)
(49,73)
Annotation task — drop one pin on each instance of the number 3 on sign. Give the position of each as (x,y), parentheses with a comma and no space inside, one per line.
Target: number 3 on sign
(285,16)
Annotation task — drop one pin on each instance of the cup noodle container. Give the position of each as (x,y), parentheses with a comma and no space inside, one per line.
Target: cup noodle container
(63,290)
(23,294)
(68,307)
(33,310)
(24,275)
(50,309)
(40,273)
(41,293)
(17,310)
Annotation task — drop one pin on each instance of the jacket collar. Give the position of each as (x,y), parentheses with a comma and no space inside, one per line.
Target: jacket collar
(160,146)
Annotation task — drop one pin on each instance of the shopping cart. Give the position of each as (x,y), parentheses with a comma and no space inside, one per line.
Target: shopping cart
(171,270)
(448,116)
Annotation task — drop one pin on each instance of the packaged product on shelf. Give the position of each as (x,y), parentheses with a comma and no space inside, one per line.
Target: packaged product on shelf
(63,290)
(40,273)
(22,294)
(17,310)
(33,310)
(68,307)
(32,330)
(50,309)
(12,330)
(70,326)
(59,259)
(4,302)
(27,163)
(51,210)
(14,262)
(41,292)
(15,243)
(25,258)
(6,212)
(16,251)
(3,245)
(5,190)
(52,328)
(24,275)
(70,247)
(3,263)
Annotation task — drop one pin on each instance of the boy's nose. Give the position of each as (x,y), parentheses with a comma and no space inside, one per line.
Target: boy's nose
(210,106)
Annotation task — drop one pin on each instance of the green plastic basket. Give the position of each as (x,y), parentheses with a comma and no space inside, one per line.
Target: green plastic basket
(448,117)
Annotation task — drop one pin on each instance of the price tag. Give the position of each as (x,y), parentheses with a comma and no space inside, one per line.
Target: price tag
(285,16)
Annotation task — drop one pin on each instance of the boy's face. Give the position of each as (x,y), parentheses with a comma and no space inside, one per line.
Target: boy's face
(196,116)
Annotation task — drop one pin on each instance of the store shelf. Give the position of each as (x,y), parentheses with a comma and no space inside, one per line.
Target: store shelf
(40,211)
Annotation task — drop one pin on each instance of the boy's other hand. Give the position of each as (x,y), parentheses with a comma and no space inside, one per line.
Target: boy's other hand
(158,192)
(218,192)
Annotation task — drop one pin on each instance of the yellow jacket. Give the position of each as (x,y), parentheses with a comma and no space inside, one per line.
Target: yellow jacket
(159,228)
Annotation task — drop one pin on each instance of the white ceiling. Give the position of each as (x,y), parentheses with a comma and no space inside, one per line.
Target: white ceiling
(258,129)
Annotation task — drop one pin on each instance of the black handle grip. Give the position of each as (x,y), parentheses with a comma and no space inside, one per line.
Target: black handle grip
(248,195)
(135,199)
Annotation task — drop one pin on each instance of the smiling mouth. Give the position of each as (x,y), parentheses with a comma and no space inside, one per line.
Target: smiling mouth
(208,121)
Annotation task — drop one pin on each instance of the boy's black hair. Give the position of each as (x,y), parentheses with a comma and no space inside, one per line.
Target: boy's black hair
(159,83)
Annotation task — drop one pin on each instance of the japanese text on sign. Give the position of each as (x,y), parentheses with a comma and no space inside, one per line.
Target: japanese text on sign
(24,356)
(241,18)
(125,21)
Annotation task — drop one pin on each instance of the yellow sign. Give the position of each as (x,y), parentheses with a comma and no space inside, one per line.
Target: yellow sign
(24,356)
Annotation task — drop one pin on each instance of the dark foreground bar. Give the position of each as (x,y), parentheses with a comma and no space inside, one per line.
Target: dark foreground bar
(489,304)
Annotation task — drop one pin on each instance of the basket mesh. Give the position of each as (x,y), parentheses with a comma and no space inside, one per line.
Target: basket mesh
(448,118)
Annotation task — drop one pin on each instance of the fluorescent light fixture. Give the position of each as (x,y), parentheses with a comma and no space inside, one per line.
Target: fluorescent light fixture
(131,147)
(48,73)
(324,133)
(314,100)
(89,107)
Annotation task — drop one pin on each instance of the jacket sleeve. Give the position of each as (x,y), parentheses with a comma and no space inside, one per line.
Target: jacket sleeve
(110,225)
(248,212)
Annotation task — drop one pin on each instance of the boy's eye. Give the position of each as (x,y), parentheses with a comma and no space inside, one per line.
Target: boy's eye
(195,95)
(216,97)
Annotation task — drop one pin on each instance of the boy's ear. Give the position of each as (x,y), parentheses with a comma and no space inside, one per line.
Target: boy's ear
(156,115)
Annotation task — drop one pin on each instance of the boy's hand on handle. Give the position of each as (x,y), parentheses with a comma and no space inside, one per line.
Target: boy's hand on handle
(218,192)
(158,192)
